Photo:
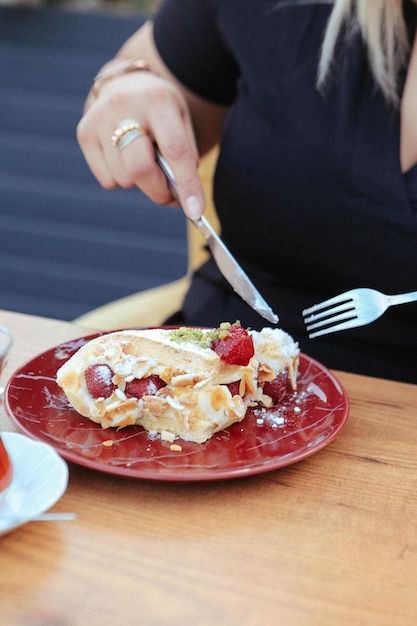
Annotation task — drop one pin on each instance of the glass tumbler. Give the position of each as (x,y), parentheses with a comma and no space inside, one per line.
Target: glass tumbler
(6,469)
(5,344)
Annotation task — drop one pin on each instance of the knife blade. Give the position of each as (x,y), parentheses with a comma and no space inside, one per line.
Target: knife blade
(227,264)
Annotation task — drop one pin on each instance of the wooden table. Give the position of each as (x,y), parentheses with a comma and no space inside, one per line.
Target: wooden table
(331,540)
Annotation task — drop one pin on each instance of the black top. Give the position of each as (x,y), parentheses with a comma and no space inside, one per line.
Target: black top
(308,188)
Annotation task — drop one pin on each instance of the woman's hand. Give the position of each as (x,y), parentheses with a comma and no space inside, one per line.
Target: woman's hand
(179,122)
(160,108)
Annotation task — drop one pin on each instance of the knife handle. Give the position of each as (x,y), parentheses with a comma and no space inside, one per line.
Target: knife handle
(168,174)
(201,222)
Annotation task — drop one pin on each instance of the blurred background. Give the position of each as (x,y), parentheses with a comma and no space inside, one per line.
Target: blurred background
(87,5)
(66,245)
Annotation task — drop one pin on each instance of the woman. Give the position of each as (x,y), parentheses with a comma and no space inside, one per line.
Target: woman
(313,105)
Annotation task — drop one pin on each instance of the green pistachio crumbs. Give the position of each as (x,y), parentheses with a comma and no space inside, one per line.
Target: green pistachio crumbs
(200,337)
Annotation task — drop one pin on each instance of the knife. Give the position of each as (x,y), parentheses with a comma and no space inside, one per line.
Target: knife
(226,262)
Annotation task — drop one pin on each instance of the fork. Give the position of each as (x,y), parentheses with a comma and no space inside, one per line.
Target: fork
(350,309)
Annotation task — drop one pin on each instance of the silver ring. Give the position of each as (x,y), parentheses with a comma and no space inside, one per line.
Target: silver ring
(130,136)
(126,132)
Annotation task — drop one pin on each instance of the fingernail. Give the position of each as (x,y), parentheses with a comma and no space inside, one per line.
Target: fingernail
(193,207)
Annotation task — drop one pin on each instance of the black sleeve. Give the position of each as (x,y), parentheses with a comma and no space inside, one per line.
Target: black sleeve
(189,39)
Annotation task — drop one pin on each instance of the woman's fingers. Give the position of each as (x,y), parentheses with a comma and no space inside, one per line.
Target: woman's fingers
(157,109)
(180,152)
(94,156)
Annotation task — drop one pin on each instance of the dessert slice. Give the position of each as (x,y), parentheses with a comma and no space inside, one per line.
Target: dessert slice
(186,382)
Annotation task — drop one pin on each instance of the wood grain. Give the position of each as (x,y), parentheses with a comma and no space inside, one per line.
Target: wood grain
(330,541)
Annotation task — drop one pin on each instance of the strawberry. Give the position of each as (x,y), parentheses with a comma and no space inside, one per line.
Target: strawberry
(276,389)
(234,387)
(148,386)
(98,379)
(236,347)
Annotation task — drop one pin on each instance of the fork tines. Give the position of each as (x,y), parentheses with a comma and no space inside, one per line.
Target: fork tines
(332,315)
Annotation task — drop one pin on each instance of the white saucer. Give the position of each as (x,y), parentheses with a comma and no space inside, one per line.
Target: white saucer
(40,478)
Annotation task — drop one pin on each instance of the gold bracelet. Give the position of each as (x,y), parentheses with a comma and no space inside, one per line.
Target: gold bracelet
(132,65)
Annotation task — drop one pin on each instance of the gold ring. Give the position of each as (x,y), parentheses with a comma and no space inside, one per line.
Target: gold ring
(125,128)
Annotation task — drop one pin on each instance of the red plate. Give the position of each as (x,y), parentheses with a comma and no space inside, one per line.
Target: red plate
(305,423)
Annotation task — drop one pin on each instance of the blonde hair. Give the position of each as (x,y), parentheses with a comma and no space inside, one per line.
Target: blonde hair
(383,30)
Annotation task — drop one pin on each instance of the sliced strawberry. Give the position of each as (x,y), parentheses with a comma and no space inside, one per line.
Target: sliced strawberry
(234,387)
(148,386)
(236,348)
(98,379)
(277,388)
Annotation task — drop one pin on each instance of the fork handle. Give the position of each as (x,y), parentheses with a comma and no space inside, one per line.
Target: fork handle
(403,298)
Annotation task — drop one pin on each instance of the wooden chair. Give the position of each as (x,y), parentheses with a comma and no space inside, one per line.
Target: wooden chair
(152,306)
